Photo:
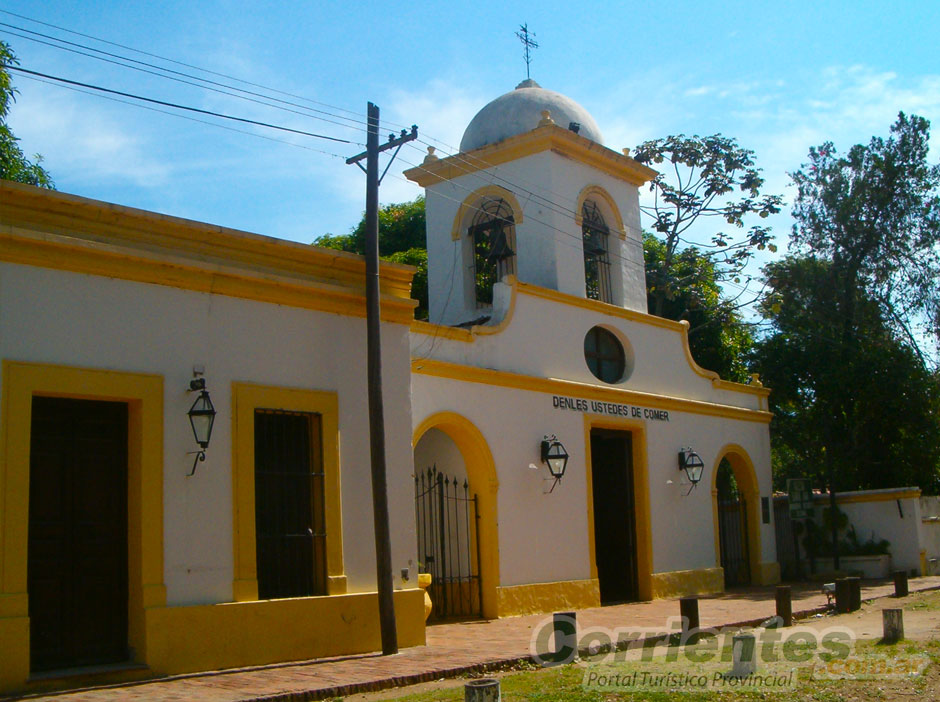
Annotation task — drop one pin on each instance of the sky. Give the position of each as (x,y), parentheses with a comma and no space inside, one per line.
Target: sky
(778,77)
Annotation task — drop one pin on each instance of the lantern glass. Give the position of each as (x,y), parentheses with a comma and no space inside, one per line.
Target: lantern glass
(693,466)
(557,459)
(202,417)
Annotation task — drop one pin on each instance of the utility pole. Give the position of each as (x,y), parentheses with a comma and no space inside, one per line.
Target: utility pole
(383,545)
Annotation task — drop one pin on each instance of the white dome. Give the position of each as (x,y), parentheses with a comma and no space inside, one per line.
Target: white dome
(520,110)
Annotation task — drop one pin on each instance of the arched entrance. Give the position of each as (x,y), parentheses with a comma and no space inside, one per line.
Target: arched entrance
(481,476)
(735,505)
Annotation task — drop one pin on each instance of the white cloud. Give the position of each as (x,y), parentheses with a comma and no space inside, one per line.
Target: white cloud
(76,135)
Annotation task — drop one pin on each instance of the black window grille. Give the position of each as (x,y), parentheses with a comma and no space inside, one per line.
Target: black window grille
(492,235)
(290,524)
(595,235)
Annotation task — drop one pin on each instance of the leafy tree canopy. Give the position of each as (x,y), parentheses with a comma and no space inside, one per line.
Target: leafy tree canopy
(13,163)
(718,338)
(401,228)
(869,413)
(401,240)
(713,182)
(874,213)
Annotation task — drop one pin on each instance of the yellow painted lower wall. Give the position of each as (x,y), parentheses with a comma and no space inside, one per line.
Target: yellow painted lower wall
(679,583)
(769,573)
(536,598)
(238,634)
(14,653)
(231,635)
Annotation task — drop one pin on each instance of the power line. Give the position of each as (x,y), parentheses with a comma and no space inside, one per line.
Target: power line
(161,72)
(173,61)
(191,119)
(154,101)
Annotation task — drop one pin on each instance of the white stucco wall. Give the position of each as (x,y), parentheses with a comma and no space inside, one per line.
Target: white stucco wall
(895,520)
(548,240)
(544,538)
(56,317)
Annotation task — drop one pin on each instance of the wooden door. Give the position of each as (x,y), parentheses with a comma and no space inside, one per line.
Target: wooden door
(614,516)
(77,569)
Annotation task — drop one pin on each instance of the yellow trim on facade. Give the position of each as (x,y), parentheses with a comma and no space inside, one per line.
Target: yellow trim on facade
(641,490)
(237,634)
(441,331)
(473,374)
(597,192)
(682,583)
(64,232)
(517,286)
(144,397)
(547,138)
(469,203)
(246,398)
(537,598)
(887,496)
(746,477)
(481,474)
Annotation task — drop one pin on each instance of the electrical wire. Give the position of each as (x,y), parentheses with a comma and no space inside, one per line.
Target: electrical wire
(186,117)
(473,164)
(154,101)
(161,73)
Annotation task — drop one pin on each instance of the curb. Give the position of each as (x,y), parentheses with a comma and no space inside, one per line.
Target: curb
(488,667)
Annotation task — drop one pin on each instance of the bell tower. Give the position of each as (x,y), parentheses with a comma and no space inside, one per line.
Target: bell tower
(533,194)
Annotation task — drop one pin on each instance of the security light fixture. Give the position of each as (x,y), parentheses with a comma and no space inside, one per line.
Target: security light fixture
(692,464)
(554,455)
(201,418)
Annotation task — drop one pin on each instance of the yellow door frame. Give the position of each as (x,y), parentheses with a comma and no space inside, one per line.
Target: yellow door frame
(481,474)
(144,397)
(746,477)
(641,490)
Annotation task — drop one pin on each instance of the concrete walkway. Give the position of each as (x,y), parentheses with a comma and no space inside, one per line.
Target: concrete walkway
(452,649)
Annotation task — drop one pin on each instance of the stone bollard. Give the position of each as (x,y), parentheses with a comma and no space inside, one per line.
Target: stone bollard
(785,605)
(892,621)
(743,655)
(855,593)
(688,610)
(565,625)
(843,595)
(482,690)
(900,583)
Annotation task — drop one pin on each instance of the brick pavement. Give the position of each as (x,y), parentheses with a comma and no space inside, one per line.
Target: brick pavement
(451,649)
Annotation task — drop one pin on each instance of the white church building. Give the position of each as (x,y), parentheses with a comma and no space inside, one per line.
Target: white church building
(550,444)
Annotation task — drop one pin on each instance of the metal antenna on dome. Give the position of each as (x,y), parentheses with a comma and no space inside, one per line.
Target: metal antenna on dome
(528,41)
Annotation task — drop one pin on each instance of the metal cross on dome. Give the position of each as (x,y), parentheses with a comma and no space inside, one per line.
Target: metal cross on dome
(528,41)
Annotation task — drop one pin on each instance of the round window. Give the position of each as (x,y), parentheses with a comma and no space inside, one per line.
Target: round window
(604,355)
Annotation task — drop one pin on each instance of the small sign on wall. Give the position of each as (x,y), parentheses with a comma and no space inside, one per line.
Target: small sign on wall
(801,498)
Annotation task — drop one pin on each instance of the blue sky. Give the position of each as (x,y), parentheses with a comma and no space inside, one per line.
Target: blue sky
(779,77)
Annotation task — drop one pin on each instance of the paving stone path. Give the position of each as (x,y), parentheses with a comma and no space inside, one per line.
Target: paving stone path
(451,649)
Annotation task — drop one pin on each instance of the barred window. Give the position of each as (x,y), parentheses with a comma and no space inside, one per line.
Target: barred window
(492,235)
(595,235)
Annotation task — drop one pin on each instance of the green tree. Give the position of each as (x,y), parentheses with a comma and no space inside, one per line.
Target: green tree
(13,163)
(402,239)
(711,179)
(875,214)
(718,337)
(869,414)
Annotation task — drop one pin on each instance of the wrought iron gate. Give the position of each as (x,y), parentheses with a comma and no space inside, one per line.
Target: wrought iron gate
(732,537)
(447,515)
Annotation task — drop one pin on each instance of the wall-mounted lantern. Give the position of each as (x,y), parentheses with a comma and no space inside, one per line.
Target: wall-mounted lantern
(201,418)
(692,464)
(554,455)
